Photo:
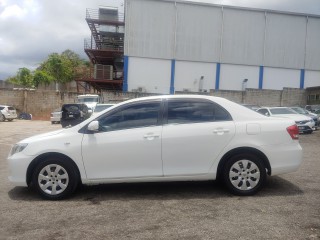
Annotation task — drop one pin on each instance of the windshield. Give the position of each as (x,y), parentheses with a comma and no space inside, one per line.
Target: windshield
(300,110)
(83,100)
(276,111)
(99,108)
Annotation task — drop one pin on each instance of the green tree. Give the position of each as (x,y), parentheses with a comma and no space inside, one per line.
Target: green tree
(60,68)
(43,77)
(23,78)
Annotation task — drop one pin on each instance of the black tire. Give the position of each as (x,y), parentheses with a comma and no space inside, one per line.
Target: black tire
(2,118)
(63,173)
(244,174)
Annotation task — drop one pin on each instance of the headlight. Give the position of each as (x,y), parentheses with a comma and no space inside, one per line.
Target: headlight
(18,148)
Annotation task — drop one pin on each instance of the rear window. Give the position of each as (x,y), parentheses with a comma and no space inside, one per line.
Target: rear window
(11,108)
(70,108)
(100,108)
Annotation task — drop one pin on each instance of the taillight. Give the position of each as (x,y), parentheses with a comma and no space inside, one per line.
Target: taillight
(293,131)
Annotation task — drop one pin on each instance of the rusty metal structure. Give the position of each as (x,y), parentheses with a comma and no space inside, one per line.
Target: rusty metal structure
(105,50)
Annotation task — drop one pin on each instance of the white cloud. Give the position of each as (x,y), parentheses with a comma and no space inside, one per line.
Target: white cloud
(3,3)
(13,11)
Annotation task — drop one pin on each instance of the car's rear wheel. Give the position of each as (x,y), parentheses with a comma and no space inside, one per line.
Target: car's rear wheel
(244,174)
(55,178)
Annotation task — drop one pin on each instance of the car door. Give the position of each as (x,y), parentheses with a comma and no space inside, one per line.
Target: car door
(194,133)
(127,145)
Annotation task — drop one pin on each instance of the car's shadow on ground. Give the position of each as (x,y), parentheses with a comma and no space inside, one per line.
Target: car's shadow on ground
(275,186)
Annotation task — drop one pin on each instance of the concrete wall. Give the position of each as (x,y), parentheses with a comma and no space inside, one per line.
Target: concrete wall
(41,103)
(278,78)
(152,75)
(232,76)
(188,76)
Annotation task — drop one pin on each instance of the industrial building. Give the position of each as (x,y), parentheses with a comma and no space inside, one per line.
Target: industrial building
(172,46)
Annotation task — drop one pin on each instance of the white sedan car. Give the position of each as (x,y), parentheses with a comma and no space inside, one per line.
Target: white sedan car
(160,138)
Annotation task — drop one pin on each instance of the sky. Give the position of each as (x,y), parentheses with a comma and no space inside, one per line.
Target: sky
(32,29)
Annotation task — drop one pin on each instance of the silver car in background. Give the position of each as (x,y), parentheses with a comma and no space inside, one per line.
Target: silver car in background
(7,113)
(56,116)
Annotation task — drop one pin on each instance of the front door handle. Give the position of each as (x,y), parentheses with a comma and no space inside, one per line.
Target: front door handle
(221,131)
(151,136)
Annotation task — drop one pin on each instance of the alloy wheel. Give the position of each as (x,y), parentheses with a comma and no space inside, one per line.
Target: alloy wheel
(53,179)
(244,175)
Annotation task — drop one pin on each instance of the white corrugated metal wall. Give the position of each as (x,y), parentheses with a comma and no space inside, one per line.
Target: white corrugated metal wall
(223,44)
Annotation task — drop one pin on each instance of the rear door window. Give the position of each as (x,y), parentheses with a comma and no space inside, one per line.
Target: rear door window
(195,111)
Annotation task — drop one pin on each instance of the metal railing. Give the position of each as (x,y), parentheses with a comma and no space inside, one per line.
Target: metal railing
(105,14)
(105,44)
(89,73)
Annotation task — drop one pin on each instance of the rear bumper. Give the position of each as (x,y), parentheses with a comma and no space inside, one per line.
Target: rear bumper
(10,116)
(54,119)
(284,158)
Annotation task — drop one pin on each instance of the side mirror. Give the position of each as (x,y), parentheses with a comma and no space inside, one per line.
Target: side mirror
(267,114)
(93,126)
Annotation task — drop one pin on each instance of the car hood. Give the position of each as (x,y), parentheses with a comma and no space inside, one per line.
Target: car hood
(43,136)
(295,117)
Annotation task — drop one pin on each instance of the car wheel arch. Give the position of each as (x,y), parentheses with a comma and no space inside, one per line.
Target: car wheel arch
(32,166)
(241,150)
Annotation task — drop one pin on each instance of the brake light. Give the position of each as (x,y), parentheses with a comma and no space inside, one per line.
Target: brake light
(293,131)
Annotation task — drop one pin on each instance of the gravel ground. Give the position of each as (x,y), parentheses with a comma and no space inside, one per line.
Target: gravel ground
(287,208)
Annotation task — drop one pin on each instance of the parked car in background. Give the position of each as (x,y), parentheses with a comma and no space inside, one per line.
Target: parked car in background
(56,116)
(160,138)
(7,113)
(253,107)
(91,100)
(303,111)
(102,106)
(304,123)
(73,114)
(312,108)
(25,116)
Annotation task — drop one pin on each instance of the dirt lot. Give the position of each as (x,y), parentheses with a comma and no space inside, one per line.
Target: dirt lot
(287,208)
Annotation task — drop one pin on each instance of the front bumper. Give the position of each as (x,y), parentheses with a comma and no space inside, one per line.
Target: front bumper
(18,165)
(305,129)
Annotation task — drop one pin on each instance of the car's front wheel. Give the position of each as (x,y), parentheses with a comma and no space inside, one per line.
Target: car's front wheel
(55,178)
(244,174)
(2,118)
